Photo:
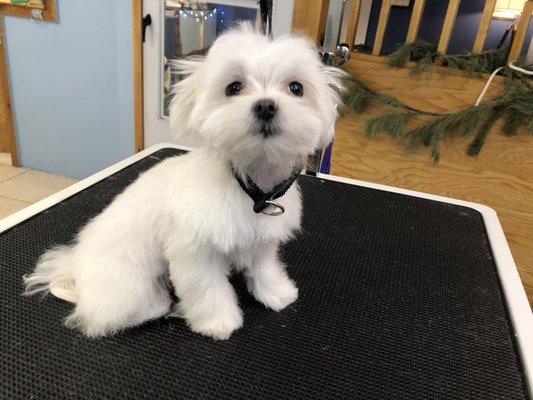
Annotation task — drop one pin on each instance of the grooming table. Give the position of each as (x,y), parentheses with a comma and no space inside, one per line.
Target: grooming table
(402,296)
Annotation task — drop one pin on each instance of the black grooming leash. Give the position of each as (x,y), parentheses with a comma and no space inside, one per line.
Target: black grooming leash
(265,9)
(261,199)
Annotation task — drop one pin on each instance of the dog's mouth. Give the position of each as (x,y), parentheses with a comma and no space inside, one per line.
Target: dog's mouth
(267,130)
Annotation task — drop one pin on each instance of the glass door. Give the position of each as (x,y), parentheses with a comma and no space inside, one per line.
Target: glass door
(182,28)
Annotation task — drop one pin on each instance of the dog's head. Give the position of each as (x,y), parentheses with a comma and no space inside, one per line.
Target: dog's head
(256,98)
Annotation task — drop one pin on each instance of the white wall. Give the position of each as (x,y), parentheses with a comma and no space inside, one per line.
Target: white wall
(72,86)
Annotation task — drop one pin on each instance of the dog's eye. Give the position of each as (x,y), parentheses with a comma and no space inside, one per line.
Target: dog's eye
(296,89)
(233,88)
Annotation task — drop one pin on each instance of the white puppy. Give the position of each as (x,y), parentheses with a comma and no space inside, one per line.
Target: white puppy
(260,106)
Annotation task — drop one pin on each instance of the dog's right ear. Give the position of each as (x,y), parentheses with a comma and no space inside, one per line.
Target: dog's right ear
(183,93)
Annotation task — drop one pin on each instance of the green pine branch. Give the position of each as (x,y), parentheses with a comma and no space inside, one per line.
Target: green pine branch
(426,55)
(476,122)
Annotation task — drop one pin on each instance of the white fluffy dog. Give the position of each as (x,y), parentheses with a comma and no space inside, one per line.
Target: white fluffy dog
(260,106)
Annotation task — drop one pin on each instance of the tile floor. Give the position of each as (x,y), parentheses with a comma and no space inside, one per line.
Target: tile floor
(20,187)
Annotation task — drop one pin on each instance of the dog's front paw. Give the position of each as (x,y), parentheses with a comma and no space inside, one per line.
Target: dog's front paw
(220,325)
(276,294)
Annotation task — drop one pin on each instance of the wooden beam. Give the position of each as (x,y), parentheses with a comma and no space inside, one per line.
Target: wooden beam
(382,26)
(416,20)
(299,15)
(138,100)
(484,26)
(353,23)
(447,28)
(30,4)
(6,94)
(309,17)
(50,11)
(48,8)
(521,31)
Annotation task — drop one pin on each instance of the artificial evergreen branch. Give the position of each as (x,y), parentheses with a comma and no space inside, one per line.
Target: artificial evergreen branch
(359,96)
(426,55)
(515,105)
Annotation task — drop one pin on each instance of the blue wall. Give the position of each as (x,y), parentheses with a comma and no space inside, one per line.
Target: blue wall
(72,86)
(464,33)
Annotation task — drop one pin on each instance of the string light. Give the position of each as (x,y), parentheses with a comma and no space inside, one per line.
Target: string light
(198,15)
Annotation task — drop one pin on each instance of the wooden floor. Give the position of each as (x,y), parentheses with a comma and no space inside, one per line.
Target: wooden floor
(501,178)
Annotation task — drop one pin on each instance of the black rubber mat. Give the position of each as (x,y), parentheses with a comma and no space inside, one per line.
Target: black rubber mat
(399,299)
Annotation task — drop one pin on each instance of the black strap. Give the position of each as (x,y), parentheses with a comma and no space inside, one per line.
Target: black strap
(259,197)
(265,9)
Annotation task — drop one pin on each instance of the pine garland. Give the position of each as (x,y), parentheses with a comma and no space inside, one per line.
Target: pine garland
(360,95)
(515,105)
(426,55)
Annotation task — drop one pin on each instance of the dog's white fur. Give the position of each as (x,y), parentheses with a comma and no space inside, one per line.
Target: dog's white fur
(188,215)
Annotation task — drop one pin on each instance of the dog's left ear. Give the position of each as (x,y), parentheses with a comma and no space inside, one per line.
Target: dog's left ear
(332,100)
(184,93)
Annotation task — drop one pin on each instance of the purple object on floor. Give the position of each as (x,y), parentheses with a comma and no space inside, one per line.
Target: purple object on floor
(325,166)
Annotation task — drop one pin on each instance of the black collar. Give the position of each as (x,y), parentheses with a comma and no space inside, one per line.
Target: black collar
(261,198)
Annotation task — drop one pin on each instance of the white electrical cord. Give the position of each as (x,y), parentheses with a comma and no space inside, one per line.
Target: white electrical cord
(484,91)
(512,66)
(524,71)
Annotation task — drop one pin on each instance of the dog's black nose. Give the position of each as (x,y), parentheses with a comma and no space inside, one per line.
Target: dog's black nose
(265,109)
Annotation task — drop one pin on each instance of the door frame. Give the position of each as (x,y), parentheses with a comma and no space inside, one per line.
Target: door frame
(6,94)
(138,100)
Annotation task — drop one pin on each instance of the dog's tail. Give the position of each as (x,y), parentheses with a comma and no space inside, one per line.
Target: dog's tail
(53,274)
